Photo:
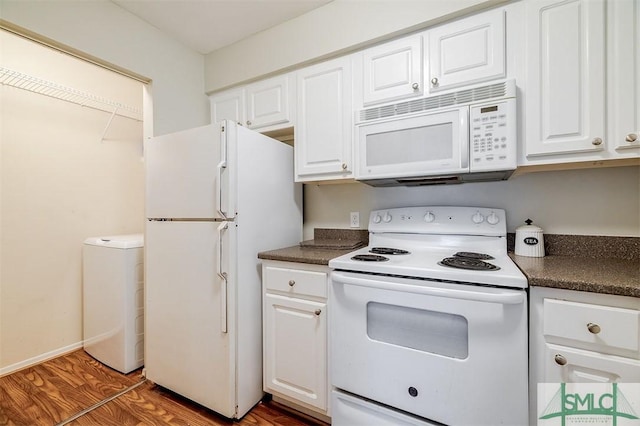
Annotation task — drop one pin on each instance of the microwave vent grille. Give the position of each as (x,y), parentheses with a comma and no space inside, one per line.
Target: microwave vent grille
(461,97)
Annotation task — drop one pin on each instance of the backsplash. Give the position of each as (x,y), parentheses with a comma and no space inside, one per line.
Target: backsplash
(594,246)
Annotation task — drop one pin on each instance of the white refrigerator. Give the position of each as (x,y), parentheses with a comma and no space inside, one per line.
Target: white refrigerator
(215,197)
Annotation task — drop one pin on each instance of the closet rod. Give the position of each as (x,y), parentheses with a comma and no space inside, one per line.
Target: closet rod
(26,82)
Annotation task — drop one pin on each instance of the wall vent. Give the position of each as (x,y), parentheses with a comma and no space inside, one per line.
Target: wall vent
(498,90)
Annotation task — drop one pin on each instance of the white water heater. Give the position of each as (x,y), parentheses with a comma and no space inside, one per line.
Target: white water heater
(113,300)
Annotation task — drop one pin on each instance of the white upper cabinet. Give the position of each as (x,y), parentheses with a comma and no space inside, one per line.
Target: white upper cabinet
(392,70)
(324,124)
(264,105)
(582,101)
(565,77)
(459,53)
(271,102)
(467,51)
(623,46)
(228,105)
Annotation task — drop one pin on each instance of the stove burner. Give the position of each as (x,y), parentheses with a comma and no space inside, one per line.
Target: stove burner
(472,255)
(387,250)
(465,263)
(369,258)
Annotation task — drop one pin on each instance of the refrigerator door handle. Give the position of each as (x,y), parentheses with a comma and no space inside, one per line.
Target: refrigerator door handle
(223,283)
(220,167)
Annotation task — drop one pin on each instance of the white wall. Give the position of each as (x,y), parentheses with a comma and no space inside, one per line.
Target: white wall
(102,29)
(336,28)
(59,184)
(582,202)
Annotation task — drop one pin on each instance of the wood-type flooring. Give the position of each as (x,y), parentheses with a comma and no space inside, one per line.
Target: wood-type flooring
(56,390)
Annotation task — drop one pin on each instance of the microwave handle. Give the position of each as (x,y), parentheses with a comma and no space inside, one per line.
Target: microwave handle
(465,135)
(505,297)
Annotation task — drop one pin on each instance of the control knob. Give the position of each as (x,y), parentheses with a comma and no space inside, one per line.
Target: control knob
(377,218)
(429,217)
(477,218)
(493,218)
(387,218)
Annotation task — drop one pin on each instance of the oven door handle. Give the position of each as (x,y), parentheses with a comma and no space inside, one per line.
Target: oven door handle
(505,297)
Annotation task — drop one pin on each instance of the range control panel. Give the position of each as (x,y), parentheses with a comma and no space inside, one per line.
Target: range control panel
(452,220)
(493,144)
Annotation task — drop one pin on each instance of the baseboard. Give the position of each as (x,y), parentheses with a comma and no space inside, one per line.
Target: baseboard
(39,359)
(300,410)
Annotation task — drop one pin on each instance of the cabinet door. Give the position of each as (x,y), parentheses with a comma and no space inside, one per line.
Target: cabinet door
(228,105)
(295,348)
(323,130)
(393,70)
(268,102)
(623,49)
(565,77)
(467,51)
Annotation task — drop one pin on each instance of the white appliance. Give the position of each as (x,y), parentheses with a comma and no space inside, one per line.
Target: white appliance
(112,300)
(467,135)
(215,197)
(428,323)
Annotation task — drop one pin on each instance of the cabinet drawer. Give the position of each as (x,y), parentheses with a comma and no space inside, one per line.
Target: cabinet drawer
(563,364)
(601,328)
(296,282)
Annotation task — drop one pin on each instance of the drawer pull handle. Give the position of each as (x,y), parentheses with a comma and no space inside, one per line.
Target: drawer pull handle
(593,328)
(560,360)
(318,312)
(291,283)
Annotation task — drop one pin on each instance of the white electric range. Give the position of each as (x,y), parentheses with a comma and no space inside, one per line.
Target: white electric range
(428,323)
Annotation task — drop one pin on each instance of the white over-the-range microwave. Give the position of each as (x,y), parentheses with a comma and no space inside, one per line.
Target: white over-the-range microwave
(462,136)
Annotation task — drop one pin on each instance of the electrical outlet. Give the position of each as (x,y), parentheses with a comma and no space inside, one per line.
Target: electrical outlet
(354,219)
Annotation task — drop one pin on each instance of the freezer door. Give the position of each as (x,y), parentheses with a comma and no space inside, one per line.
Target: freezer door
(189,346)
(181,174)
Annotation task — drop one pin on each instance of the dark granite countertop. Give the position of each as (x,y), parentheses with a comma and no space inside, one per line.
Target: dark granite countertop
(597,264)
(326,245)
(597,275)
(609,265)
(300,254)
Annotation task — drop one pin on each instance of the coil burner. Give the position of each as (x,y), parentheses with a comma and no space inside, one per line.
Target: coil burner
(369,258)
(465,263)
(472,255)
(388,250)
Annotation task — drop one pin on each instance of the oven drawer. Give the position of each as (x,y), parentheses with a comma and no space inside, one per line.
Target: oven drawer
(295,282)
(604,329)
(349,410)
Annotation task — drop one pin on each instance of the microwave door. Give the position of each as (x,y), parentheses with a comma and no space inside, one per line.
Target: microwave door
(424,145)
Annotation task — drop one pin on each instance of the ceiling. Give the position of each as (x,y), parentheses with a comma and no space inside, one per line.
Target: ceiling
(207,25)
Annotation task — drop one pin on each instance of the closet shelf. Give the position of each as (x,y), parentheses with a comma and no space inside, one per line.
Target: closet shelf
(26,82)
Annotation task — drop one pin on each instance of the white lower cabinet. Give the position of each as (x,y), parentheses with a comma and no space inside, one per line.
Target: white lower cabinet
(580,337)
(295,333)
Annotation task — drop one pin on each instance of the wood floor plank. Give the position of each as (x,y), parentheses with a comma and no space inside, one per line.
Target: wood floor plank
(54,391)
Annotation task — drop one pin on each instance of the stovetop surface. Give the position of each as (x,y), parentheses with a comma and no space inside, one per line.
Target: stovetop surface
(428,243)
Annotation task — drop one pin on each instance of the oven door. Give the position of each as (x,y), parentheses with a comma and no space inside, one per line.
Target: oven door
(429,144)
(451,353)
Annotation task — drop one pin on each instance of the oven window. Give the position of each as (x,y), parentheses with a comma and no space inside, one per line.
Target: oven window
(428,331)
(426,143)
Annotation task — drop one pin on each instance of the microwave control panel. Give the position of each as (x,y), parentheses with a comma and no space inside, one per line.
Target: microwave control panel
(493,136)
